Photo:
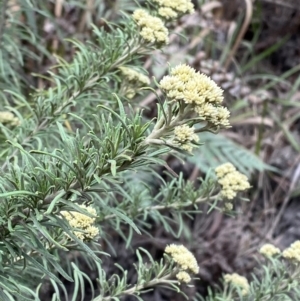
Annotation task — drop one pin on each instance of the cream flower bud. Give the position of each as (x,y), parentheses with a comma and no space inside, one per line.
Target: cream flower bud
(269,250)
(231,180)
(183,277)
(224,169)
(183,72)
(171,83)
(228,206)
(183,257)
(238,281)
(184,133)
(293,252)
(167,13)
(183,136)
(172,9)
(152,29)
(135,77)
(9,118)
(82,222)
(209,89)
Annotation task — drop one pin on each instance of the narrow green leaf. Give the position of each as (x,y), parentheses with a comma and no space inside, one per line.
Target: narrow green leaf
(119,118)
(125,218)
(41,267)
(15,193)
(44,231)
(54,202)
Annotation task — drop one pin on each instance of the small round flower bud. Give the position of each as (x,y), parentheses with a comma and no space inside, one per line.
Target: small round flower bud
(184,135)
(183,277)
(183,257)
(82,222)
(152,29)
(9,118)
(173,9)
(231,180)
(269,250)
(238,281)
(293,252)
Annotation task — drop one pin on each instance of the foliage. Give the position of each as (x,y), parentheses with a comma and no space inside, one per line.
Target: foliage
(77,153)
(218,149)
(276,280)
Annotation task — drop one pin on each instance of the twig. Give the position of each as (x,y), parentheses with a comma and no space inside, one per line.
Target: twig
(57,11)
(38,128)
(87,15)
(248,16)
(195,173)
(286,199)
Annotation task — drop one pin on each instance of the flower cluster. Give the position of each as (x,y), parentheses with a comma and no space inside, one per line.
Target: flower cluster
(9,118)
(238,281)
(152,29)
(293,252)
(228,206)
(198,90)
(185,260)
(231,180)
(184,135)
(134,77)
(173,9)
(82,222)
(183,276)
(134,81)
(269,250)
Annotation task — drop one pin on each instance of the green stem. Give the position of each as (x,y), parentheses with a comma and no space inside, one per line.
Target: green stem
(137,288)
(261,129)
(174,205)
(161,129)
(45,123)
(127,54)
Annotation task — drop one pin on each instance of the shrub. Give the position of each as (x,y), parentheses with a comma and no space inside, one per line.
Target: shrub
(78,157)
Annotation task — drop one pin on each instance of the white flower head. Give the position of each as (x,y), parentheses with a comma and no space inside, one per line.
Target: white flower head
(231,180)
(183,257)
(82,222)
(152,29)
(269,250)
(183,276)
(238,281)
(293,252)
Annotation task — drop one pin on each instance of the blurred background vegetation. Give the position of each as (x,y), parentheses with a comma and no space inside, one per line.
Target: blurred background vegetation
(252,50)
